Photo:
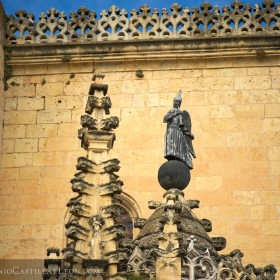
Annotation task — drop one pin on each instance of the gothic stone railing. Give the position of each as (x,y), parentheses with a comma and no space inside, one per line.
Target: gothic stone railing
(115,24)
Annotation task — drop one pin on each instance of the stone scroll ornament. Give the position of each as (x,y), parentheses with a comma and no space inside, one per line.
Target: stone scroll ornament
(178,148)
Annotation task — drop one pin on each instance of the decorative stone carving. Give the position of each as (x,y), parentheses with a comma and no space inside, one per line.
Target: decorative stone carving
(219,243)
(115,24)
(113,187)
(197,264)
(152,204)
(207,225)
(92,102)
(108,166)
(80,186)
(78,208)
(89,122)
(140,264)
(95,102)
(76,231)
(139,223)
(109,123)
(98,87)
(192,204)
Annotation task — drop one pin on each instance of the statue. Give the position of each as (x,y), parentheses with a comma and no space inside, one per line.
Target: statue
(178,137)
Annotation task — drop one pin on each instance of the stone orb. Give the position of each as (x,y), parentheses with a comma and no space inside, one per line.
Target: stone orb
(174,174)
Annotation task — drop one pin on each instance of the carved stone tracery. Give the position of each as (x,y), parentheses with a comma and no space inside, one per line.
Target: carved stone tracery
(115,24)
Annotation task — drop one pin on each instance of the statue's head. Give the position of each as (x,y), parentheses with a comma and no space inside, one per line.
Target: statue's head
(177,100)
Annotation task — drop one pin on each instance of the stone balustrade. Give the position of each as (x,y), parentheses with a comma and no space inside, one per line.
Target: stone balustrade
(115,24)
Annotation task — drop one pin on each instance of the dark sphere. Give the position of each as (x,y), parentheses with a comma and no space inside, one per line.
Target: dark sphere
(174,174)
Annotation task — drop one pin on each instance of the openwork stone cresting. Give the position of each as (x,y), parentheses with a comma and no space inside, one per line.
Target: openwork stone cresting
(115,24)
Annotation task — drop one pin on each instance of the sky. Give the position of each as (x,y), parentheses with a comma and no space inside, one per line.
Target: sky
(38,6)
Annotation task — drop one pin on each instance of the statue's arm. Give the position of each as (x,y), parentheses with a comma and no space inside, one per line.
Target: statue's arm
(170,114)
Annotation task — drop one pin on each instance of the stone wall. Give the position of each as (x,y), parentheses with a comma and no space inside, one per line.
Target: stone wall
(2,39)
(231,89)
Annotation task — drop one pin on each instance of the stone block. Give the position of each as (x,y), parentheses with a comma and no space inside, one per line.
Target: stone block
(258,71)
(19,187)
(10,217)
(271,124)
(16,159)
(257,212)
(41,130)
(262,242)
(75,88)
(58,186)
(20,117)
(233,72)
(34,79)
(221,111)
(58,200)
(55,158)
(275,168)
(274,70)
(41,216)
(208,183)
(68,130)
(264,96)
(57,78)
(9,173)
(252,82)
(31,103)
(272,110)
(64,102)
(49,89)
(216,83)
(211,140)
(186,85)
(249,110)
(8,202)
(247,182)
(26,145)
(274,153)
(57,231)
(214,198)
(247,227)
(270,197)
(14,131)
(53,116)
(8,146)
(247,197)
(138,101)
(211,72)
(271,212)
(134,86)
(152,100)
(10,103)
(58,144)
(159,86)
(20,91)
(121,101)
(275,80)
(229,97)
(115,76)
(244,139)
(32,201)
(271,227)
(36,172)
(115,87)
